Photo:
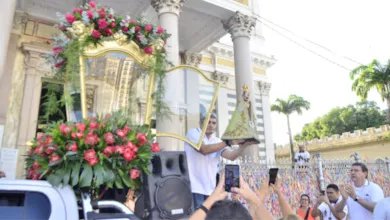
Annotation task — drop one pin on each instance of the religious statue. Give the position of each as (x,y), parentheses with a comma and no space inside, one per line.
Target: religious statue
(242,125)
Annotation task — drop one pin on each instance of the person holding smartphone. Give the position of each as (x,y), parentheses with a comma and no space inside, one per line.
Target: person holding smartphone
(203,164)
(325,205)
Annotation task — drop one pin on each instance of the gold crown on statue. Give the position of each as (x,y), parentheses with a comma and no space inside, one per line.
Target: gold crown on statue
(245,88)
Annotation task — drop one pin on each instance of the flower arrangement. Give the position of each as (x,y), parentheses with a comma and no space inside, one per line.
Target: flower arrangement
(91,24)
(92,153)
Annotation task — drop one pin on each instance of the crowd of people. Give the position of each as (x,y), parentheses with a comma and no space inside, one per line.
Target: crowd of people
(361,199)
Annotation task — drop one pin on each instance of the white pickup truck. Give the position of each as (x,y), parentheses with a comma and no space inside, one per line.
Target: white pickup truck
(38,200)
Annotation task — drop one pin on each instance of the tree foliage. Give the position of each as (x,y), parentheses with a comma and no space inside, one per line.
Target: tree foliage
(338,120)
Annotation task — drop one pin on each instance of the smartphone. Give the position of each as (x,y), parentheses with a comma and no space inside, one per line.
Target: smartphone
(273,173)
(232,177)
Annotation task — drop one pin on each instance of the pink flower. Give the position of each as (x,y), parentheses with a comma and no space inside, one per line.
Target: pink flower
(108,32)
(96,34)
(133,21)
(49,139)
(80,127)
(125,29)
(156,148)
(148,28)
(160,30)
(91,139)
(77,10)
(73,147)
(132,146)
(73,136)
(109,138)
(65,129)
(50,150)
(79,135)
(128,155)
(92,4)
(70,18)
(93,125)
(57,50)
(141,139)
(102,13)
(148,50)
(54,158)
(119,149)
(102,23)
(121,133)
(90,156)
(134,174)
(36,165)
(126,128)
(108,150)
(138,37)
(137,28)
(39,150)
(113,24)
(90,14)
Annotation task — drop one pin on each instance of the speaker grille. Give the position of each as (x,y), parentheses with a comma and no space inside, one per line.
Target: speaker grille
(173,198)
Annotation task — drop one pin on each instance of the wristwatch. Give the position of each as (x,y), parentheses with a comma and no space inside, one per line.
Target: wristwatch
(356,198)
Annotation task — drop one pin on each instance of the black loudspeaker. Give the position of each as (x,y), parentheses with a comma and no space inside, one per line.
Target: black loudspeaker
(166,193)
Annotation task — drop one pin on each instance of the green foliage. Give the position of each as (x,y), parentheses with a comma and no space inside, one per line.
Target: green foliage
(338,120)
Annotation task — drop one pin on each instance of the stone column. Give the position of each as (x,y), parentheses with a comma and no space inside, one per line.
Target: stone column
(222,101)
(265,87)
(168,15)
(240,28)
(6,17)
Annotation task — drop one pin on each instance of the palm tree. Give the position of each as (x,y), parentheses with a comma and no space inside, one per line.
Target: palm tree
(293,104)
(374,75)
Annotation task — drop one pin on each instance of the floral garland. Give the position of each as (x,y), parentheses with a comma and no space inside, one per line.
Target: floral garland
(105,151)
(91,24)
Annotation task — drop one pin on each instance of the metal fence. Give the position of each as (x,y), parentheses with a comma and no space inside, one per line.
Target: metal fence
(311,178)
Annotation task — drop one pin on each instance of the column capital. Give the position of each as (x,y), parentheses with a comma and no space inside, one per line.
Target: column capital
(19,23)
(264,87)
(168,6)
(240,25)
(192,59)
(222,78)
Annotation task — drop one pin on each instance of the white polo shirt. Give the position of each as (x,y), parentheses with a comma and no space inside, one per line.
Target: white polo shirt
(382,210)
(202,168)
(370,192)
(327,213)
(302,157)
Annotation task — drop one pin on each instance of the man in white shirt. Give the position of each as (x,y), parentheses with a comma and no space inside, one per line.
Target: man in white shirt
(325,205)
(361,196)
(203,164)
(302,157)
(382,210)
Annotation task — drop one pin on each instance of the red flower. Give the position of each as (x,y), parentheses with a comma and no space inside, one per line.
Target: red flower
(65,129)
(93,125)
(137,28)
(91,139)
(49,139)
(102,23)
(125,29)
(148,28)
(92,4)
(35,176)
(79,135)
(160,30)
(50,150)
(156,148)
(70,18)
(36,165)
(126,128)
(121,133)
(57,50)
(134,174)
(108,32)
(73,136)
(59,64)
(148,50)
(108,150)
(113,24)
(109,138)
(39,150)
(90,156)
(80,127)
(132,146)
(119,149)
(54,158)
(90,14)
(129,155)
(141,139)
(95,34)
(73,147)
(138,37)
(77,10)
